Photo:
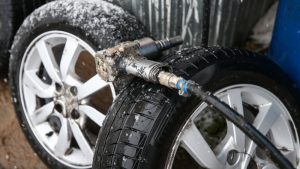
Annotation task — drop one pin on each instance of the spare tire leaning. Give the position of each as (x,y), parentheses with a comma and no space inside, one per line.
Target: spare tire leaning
(59,99)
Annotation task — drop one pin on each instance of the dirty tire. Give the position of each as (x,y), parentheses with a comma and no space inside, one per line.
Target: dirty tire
(146,118)
(98,23)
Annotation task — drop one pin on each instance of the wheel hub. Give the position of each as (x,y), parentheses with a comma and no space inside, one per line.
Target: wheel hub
(66,101)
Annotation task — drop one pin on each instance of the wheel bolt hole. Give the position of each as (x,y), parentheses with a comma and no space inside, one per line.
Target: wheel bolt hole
(69,151)
(58,87)
(75,114)
(74,90)
(55,123)
(232,157)
(49,134)
(58,107)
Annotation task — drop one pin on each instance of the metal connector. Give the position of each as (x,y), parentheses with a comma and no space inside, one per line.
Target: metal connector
(143,68)
(172,81)
(129,57)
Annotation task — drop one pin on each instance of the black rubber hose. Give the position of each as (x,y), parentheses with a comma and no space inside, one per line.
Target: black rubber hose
(152,49)
(242,124)
(166,44)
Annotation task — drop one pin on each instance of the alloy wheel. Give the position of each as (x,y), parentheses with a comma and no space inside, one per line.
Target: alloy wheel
(63,98)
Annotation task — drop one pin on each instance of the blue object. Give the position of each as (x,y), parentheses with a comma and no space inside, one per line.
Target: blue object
(182,85)
(285,45)
(179,84)
(185,87)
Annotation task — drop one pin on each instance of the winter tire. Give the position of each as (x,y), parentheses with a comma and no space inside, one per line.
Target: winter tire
(59,99)
(152,127)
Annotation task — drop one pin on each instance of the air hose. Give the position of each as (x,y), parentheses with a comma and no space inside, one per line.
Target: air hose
(240,122)
(132,58)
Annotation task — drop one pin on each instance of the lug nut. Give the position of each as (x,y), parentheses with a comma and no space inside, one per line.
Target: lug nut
(58,87)
(74,90)
(75,114)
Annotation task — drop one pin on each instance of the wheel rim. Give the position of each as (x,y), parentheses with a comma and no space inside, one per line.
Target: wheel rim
(232,149)
(60,92)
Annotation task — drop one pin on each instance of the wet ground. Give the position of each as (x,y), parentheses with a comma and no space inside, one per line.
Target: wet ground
(15,152)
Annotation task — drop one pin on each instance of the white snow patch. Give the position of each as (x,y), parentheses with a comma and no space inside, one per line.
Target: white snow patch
(137,117)
(95,17)
(124,159)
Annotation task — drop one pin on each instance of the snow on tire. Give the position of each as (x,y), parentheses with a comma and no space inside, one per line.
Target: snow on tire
(59,99)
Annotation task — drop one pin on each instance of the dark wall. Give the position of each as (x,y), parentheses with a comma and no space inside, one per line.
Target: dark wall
(231,20)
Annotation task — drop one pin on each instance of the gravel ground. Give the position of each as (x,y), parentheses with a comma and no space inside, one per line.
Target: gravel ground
(15,152)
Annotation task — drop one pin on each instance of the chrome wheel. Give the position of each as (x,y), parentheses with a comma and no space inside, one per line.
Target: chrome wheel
(213,142)
(63,98)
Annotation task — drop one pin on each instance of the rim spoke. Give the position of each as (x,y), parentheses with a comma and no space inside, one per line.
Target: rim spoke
(29,100)
(48,60)
(33,82)
(64,138)
(194,143)
(234,99)
(69,57)
(235,140)
(291,155)
(263,122)
(91,86)
(41,114)
(93,114)
(81,140)
(237,135)
(265,119)
(112,88)
(73,81)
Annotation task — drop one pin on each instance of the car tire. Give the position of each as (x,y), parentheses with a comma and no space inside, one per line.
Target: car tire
(148,123)
(41,48)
